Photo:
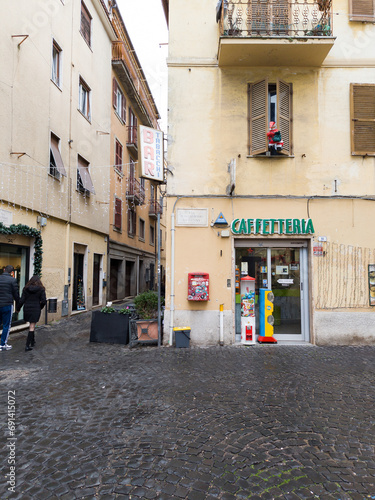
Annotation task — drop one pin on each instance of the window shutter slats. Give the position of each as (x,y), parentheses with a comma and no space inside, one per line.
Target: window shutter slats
(123,111)
(362,107)
(284,115)
(362,10)
(258,113)
(118,213)
(114,93)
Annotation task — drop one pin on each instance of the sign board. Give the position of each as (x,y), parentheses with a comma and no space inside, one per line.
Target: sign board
(6,217)
(151,153)
(318,251)
(286,281)
(272,226)
(195,217)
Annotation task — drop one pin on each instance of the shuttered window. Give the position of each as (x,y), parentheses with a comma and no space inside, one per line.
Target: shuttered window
(86,24)
(362,110)
(84,182)
(118,214)
(132,221)
(118,156)
(118,101)
(362,10)
(56,165)
(260,116)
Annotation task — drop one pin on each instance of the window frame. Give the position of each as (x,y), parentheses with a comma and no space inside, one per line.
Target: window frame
(258,117)
(57,80)
(359,115)
(83,87)
(119,156)
(152,235)
(85,185)
(118,95)
(132,222)
(57,169)
(142,229)
(369,18)
(86,31)
(117,214)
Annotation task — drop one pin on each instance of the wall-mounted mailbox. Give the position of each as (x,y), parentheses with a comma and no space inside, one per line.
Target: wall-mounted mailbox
(198,286)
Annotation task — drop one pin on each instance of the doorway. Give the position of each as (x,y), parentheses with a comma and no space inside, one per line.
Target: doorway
(97,268)
(281,267)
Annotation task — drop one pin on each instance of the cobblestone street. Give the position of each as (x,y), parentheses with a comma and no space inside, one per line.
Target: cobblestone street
(104,421)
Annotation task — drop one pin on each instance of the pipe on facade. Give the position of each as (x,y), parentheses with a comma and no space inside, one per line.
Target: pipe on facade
(221,328)
(171,308)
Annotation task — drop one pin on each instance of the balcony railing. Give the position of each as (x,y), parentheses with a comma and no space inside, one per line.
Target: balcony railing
(276,18)
(135,192)
(132,140)
(155,208)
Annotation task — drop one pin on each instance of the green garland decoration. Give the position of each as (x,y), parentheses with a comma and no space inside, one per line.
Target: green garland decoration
(24,230)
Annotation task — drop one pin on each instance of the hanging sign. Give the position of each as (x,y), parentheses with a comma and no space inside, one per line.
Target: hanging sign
(272,226)
(151,153)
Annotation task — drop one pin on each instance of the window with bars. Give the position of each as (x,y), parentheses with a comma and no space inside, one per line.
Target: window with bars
(118,214)
(362,114)
(86,24)
(84,103)
(362,10)
(118,156)
(56,64)
(118,101)
(269,102)
(132,222)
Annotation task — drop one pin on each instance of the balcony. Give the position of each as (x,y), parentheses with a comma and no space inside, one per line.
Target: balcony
(132,140)
(274,32)
(155,209)
(135,192)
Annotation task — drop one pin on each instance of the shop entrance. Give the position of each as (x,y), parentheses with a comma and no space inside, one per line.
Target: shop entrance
(282,268)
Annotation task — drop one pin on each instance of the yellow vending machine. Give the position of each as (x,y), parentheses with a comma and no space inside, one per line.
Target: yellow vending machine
(266,319)
(247,310)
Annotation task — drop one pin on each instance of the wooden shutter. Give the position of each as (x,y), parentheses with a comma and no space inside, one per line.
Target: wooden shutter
(258,116)
(118,156)
(362,111)
(114,93)
(284,95)
(86,24)
(362,10)
(118,213)
(123,111)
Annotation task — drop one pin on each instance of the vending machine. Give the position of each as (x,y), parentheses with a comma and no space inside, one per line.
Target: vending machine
(247,310)
(266,319)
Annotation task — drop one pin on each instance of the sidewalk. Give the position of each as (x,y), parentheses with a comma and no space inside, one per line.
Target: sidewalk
(262,422)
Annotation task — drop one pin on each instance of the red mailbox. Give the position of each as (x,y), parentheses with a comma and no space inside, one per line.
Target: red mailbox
(198,286)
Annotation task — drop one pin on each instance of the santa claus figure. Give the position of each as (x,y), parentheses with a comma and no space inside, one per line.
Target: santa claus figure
(275,143)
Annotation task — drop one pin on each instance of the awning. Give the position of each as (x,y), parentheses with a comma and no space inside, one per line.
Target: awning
(57,156)
(84,174)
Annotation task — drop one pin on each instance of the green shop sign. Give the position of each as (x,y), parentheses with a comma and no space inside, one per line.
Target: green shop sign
(272,226)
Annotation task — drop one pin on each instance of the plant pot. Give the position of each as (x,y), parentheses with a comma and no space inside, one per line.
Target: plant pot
(110,328)
(143,331)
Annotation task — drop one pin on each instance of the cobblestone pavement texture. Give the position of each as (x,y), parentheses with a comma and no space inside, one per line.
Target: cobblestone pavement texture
(262,422)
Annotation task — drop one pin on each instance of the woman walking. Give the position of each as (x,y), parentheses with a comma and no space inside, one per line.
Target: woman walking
(33,299)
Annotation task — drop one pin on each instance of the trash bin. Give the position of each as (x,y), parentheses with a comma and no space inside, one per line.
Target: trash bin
(52,305)
(182,336)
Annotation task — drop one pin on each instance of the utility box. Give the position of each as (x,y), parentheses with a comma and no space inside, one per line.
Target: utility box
(182,336)
(247,310)
(198,286)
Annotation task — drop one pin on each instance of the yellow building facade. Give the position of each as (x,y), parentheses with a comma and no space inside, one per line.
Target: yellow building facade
(55,147)
(135,202)
(295,213)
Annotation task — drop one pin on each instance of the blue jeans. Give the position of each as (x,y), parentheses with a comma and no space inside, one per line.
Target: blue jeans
(5,318)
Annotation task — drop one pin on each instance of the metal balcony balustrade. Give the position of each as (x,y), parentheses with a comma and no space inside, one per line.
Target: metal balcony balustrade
(135,192)
(155,208)
(132,140)
(276,18)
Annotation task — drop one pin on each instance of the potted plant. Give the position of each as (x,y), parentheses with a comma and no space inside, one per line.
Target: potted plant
(144,330)
(110,325)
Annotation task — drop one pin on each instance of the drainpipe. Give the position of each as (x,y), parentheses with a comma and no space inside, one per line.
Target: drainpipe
(172,275)
(221,317)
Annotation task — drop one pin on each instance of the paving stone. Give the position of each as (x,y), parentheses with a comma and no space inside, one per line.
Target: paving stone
(109,422)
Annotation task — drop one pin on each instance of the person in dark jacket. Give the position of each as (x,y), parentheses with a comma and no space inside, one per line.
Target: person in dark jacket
(33,299)
(8,294)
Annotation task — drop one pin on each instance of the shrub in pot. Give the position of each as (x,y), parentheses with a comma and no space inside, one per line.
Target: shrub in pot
(110,325)
(145,329)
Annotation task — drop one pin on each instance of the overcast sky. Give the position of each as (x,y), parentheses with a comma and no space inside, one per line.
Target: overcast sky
(147,28)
